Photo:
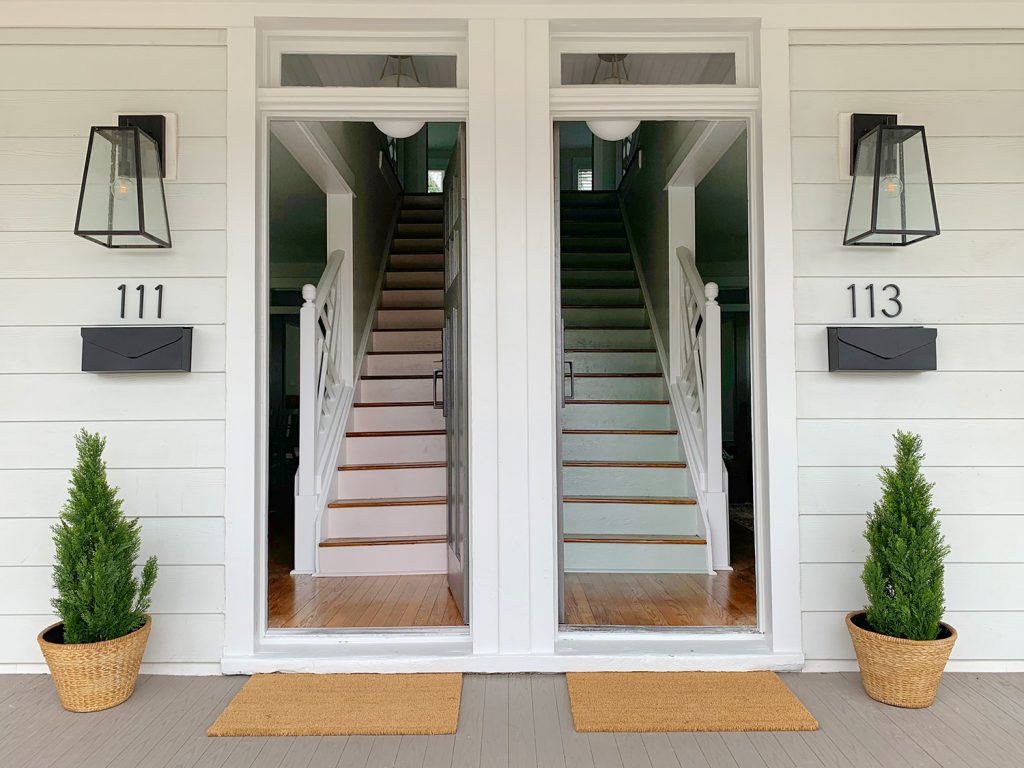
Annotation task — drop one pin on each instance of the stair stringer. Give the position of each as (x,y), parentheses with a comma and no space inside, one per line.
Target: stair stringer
(675,396)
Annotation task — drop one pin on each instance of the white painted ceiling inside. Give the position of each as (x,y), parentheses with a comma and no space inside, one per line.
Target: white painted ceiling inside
(654,68)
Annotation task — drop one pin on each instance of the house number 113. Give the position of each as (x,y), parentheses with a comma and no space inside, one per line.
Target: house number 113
(892,299)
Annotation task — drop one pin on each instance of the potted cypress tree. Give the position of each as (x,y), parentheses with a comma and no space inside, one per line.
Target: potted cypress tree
(94,652)
(901,642)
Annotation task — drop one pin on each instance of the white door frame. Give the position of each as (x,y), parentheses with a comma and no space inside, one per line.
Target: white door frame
(514,605)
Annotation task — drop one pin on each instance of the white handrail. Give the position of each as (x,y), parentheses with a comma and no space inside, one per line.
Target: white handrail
(322,392)
(699,386)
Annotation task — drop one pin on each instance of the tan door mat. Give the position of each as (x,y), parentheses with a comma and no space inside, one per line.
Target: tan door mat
(650,702)
(343,705)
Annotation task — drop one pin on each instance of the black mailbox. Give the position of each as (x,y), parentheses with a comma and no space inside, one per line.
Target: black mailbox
(881,348)
(137,348)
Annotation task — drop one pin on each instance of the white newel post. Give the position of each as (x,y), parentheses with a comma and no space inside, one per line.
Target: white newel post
(306,491)
(717,495)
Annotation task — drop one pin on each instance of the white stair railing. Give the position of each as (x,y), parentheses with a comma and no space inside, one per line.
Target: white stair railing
(324,392)
(698,402)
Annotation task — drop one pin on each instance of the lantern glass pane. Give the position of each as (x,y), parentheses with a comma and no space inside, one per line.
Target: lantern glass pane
(154,206)
(110,199)
(858,222)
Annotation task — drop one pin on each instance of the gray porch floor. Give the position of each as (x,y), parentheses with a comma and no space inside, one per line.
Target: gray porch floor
(518,720)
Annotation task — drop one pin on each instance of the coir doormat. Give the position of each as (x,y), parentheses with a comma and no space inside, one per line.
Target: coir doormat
(649,702)
(343,705)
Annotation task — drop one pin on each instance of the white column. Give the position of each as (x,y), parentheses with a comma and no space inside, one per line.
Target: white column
(483,350)
(778,485)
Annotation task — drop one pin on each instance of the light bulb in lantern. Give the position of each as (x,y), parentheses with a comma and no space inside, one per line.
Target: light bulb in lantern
(890,185)
(123,188)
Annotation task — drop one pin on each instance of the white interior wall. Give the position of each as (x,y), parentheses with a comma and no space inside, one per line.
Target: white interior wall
(166,438)
(966,282)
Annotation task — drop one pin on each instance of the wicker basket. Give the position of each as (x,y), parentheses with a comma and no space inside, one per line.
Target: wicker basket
(904,673)
(94,676)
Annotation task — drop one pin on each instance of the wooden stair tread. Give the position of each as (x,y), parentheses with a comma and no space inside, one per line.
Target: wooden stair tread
(411,501)
(397,433)
(414,269)
(607,327)
(629,538)
(616,402)
(407,351)
(406,330)
(615,350)
(620,431)
(682,502)
(410,309)
(604,375)
(600,306)
(628,464)
(378,541)
(397,376)
(398,465)
(403,404)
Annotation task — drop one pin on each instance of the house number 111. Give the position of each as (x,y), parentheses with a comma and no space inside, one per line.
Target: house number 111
(893,299)
(123,290)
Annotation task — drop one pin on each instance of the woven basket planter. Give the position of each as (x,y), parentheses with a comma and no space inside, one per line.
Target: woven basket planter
(94,676)
(903,673)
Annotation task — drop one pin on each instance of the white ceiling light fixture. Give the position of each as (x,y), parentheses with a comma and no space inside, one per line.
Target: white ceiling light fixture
(399,72)
(611,129)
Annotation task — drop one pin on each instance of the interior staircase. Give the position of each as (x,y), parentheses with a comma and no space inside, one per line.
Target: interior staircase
(628,498)
(389,515)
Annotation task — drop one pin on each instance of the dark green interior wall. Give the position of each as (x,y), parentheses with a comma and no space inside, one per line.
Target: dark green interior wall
(298,212)
(722,249)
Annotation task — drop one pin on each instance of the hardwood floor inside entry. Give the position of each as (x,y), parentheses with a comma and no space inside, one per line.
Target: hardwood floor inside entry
(339,602)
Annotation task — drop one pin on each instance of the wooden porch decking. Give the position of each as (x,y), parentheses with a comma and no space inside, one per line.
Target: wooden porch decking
(518,721)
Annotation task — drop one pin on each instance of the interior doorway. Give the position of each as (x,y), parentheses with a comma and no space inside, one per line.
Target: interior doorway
(644,223)
(390,547)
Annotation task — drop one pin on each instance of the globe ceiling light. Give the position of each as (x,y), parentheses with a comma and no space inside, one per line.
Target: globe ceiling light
(615,73)
(399,72)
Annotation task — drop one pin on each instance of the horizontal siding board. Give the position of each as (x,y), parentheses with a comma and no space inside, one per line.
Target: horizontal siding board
(115,67)
(954,160)
(971,538)
(958,348)
(909,395)
(947,442)
(35,114)
(174,540)
(130,444)
(96,301)
(61,160)
(969,586)
(977,300)
(907,67)
(54,254)
(110,36)
(960,206)
(942,112)
(179,589)
(145,492)
(174,638)
(113,397)
(958,490)
(58,349)
(957,253)
(53,207)
(982,635)
(904,36)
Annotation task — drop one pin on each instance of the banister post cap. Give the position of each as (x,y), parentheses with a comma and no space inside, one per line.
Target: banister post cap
(309,292)
(711,291)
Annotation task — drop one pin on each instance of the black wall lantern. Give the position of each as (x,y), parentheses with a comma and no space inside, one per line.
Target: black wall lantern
(892,201)
(122,202)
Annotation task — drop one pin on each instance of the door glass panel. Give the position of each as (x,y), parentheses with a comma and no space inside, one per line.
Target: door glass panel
(356,70)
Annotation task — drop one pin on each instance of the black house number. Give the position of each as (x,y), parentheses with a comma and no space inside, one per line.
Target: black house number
(141,289)
(890,297)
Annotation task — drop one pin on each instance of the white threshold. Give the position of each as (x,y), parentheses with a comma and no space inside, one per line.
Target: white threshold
(453,652)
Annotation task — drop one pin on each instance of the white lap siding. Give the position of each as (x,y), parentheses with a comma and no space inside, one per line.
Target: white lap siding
(165,431)
(968,283)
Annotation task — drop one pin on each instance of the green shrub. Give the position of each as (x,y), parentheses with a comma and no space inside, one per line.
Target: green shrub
(904,568)
(98,597)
